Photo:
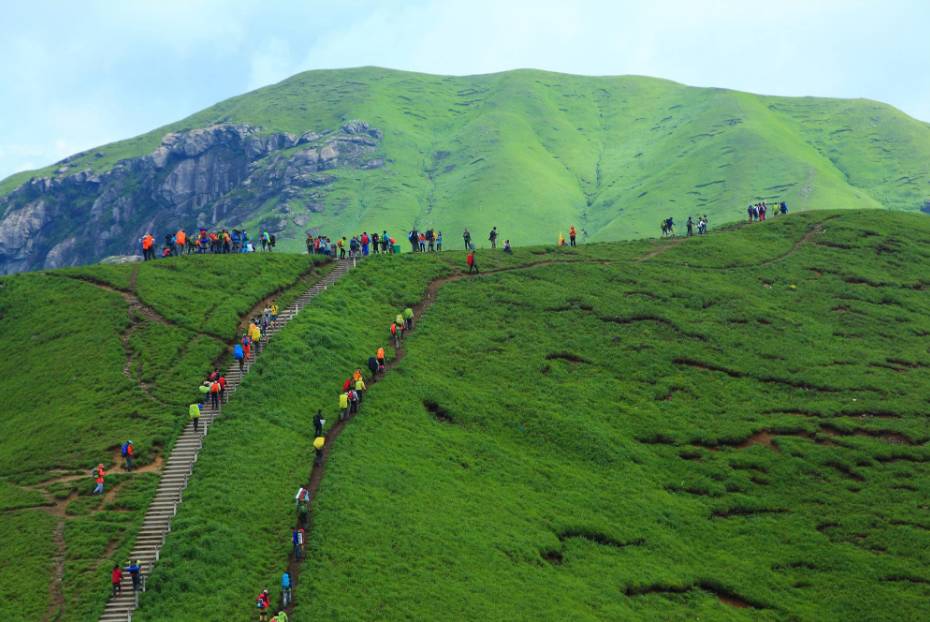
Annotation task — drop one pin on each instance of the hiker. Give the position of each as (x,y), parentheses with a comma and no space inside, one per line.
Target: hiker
(386,242)
(571,235)
(395,335)
(281,617)
(135,571)
(380,356)
(215,394)
(375,243)
(318,444)
(116,579)
(318,422)
(690,225)
(439,242)
(508,249)
(194,414)
(561,239)
(302,496)
(263,603)
(353,401)
(493,237)
(343,405)
(472,264)
(297,541)
(148,242)
(373,366)
(266,316)
(467,237)
(783,208)
(127,450)
(408,318)
(364,241)
(274,312)
(239,355)
(255,336)
(285,589)
(360,388)
(98,475)
(430,240)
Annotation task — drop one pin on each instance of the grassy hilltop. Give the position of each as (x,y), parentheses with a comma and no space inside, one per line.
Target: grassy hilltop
(97,356)
(726,428)
(533,152)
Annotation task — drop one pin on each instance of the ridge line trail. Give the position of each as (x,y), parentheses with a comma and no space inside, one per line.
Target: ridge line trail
(429,298)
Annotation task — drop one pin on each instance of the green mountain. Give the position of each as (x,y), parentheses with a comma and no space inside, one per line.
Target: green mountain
(530,152)
(722,427)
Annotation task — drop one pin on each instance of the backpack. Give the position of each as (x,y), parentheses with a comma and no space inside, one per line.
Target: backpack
(124,450)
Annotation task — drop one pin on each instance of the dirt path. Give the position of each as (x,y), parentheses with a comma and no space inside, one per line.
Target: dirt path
(56,597)
(429,298)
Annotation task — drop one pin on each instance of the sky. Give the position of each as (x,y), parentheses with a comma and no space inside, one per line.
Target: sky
(75,75)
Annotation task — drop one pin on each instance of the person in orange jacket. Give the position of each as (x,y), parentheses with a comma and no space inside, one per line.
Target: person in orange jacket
(148,246)
(571,235)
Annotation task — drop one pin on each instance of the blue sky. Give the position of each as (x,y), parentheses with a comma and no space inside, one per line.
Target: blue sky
(78,74)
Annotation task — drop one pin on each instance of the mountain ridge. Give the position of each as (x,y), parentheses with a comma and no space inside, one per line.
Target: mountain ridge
(530,151)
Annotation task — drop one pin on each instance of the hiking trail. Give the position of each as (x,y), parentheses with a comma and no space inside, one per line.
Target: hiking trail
(179,465)
(420,308)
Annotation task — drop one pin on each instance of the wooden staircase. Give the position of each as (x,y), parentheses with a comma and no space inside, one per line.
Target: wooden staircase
(180,465)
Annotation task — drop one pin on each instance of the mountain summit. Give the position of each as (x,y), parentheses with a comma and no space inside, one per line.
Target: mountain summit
(528,151)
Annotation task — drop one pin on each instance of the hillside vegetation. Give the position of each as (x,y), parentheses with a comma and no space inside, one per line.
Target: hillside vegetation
(530,152)
(98,356)
(728,427)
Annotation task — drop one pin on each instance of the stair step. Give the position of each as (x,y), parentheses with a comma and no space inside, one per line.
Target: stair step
(178,468)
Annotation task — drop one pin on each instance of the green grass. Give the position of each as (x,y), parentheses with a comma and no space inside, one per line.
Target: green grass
(81,376)
(534,152)
(739,418)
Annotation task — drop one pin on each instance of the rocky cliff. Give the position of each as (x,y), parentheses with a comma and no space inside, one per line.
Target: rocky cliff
(211,176)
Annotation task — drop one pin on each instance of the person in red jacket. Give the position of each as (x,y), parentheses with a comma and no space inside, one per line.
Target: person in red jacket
(472,264)
(222,381)
(263,602)
(116,579)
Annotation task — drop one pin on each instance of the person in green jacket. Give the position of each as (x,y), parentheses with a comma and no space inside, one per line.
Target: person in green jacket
(408,318)
(401,324)
(194,413)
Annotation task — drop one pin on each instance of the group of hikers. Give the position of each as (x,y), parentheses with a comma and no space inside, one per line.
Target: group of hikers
(134,568)
(668,226)
(351,394)
(758,211)
(358,245)
(425,241)
(203,241)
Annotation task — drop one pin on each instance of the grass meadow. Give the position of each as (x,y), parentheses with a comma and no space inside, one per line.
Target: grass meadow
(723,428)
(97,356)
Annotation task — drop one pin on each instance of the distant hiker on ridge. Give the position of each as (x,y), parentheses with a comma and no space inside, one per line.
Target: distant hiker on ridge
(571,235)
(472,264)
(467,237)
(493,237)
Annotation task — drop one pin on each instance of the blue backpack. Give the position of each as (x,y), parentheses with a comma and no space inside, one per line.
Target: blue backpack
(124,450)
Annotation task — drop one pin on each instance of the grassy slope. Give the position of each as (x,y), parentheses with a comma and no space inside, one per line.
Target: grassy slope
(617,486)
(76,397)
(533,152)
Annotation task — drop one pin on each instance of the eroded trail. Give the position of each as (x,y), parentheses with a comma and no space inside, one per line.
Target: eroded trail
(419,309)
